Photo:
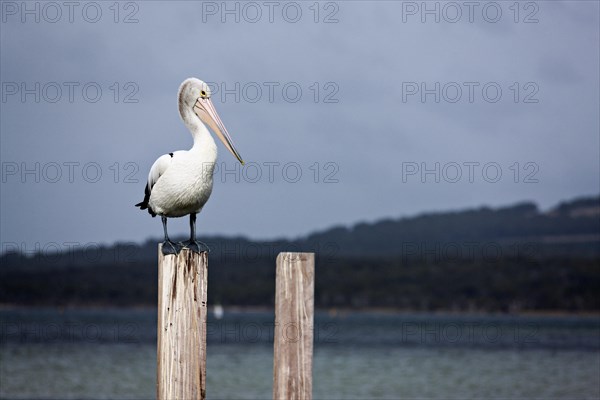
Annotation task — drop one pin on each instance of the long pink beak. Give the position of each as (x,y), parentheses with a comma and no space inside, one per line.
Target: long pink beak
(205,110)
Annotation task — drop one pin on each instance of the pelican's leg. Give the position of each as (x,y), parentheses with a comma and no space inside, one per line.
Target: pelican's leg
(168,246)
(193,244)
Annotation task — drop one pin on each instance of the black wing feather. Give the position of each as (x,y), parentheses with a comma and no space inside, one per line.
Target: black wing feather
(144,204)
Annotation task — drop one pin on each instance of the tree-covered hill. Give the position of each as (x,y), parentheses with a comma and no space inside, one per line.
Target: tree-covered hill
(506,259)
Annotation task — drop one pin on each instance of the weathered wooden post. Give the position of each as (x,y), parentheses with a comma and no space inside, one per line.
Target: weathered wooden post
(181,358)
(294,315)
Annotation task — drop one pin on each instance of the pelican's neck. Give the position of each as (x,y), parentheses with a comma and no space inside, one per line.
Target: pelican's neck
(199,131)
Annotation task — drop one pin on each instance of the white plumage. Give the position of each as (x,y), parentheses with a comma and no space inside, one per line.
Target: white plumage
(180,183)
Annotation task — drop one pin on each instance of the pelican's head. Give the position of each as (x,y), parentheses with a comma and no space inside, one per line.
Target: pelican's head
(194,94)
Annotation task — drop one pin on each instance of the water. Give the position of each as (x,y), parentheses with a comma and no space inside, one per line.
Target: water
(108,354)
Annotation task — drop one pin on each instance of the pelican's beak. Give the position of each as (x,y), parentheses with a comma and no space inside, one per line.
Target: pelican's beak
(205,110)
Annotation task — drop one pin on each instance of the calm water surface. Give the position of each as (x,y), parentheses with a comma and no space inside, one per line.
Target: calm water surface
(112,354)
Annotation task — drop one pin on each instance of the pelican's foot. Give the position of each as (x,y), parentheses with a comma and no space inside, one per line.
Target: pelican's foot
(169,247)
(195,246)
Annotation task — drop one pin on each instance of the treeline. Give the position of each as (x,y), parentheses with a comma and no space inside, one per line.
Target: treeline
(506,284)
(509,259)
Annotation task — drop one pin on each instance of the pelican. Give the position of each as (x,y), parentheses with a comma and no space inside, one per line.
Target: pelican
(180,183)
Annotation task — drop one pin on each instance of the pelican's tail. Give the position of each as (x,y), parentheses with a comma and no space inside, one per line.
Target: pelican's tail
(144,204)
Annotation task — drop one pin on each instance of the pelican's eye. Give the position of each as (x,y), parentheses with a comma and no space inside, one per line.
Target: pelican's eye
(203,94)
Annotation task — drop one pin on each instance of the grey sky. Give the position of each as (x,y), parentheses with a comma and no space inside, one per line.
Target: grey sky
(366,145)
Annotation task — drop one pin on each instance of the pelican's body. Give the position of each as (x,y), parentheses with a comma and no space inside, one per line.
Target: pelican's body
(180,183)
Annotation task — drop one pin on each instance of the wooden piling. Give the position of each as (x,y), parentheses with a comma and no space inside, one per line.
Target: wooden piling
(294,319)
(181,355)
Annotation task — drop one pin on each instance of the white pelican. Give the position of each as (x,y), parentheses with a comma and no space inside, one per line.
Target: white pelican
(180,183)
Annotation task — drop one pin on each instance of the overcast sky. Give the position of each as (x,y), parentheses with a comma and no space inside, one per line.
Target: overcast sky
(338,108)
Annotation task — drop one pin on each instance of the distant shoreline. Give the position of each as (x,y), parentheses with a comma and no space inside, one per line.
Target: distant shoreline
(332,312)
